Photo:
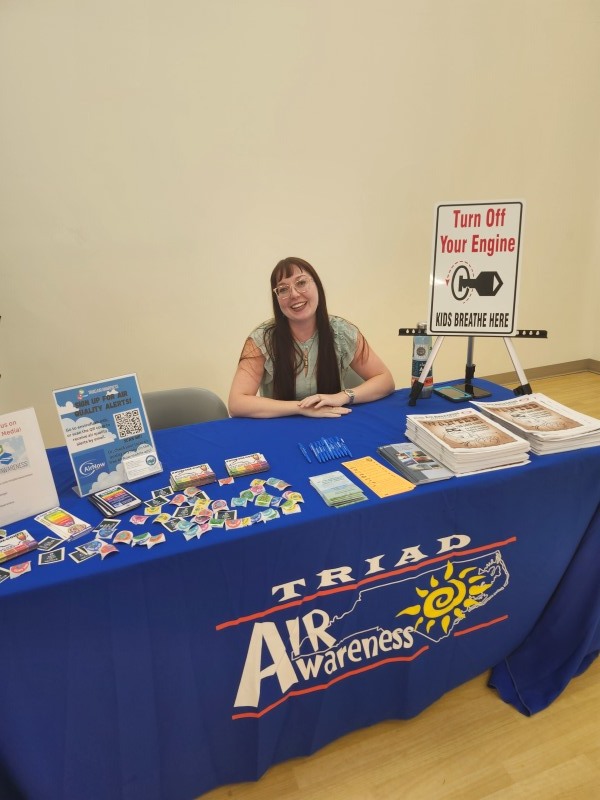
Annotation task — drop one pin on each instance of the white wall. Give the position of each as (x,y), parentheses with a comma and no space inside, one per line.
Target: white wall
(157,159)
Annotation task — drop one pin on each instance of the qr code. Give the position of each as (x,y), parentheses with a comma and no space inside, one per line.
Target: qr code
(129,423)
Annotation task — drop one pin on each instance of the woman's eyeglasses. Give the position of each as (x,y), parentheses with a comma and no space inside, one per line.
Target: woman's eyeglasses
(300,285)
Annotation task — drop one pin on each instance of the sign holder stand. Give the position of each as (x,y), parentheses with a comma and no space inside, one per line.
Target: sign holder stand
(467,237)
(523,388)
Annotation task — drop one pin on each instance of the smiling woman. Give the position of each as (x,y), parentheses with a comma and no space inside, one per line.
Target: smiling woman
(296,362)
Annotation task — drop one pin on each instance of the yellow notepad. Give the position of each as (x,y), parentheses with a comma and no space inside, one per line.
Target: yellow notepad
(378,478)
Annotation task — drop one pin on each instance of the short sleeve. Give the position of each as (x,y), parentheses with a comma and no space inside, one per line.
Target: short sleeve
(258,337)
(345,339)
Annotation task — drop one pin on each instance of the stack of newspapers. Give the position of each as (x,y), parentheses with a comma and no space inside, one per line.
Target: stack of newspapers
(547,425)
(466,441)
(336,489)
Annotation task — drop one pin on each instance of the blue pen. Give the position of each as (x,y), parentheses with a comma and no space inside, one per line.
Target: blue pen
(328,449)
(332,446)
(346,448)
(304,452)
(339,447)
(315,453)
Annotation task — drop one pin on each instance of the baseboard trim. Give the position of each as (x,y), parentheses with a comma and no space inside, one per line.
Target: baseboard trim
(549,371)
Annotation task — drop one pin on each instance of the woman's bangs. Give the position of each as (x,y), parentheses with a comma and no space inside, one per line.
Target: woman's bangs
(285,270)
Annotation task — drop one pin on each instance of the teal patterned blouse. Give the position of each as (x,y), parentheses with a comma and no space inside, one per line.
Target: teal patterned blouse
(345,339)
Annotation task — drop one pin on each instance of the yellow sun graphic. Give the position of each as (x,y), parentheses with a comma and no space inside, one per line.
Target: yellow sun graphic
(445,601)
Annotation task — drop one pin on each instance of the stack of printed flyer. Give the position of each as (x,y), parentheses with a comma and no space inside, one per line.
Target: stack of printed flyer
(16,545)
(413,463)
(336,489)
(199,475)
(548,426)
(466,441)
(246,465)
(114,501)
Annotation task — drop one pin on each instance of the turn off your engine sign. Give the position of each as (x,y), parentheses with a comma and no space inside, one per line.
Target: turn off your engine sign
(475,275)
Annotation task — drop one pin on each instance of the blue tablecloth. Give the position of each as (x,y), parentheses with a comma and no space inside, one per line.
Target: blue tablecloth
(162,673)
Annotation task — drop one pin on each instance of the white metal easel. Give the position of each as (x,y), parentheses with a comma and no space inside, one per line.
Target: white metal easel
(468,386)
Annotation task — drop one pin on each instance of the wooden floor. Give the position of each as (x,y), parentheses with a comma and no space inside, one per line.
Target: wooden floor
(469,745)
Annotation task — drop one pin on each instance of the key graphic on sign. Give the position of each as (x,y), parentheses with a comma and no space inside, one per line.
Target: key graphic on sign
(486,284)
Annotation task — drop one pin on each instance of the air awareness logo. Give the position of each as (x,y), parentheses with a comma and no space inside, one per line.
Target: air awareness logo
(309,642)
(445,599)
(13,455)
(5,456)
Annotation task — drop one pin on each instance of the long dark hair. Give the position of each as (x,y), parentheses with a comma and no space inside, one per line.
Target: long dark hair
(283,350)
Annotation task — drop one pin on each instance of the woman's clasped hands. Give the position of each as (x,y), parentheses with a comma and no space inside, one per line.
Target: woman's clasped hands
(324,405)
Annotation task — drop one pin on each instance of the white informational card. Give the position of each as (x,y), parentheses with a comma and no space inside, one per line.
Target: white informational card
(106,428)
(63,524)
(26,483)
